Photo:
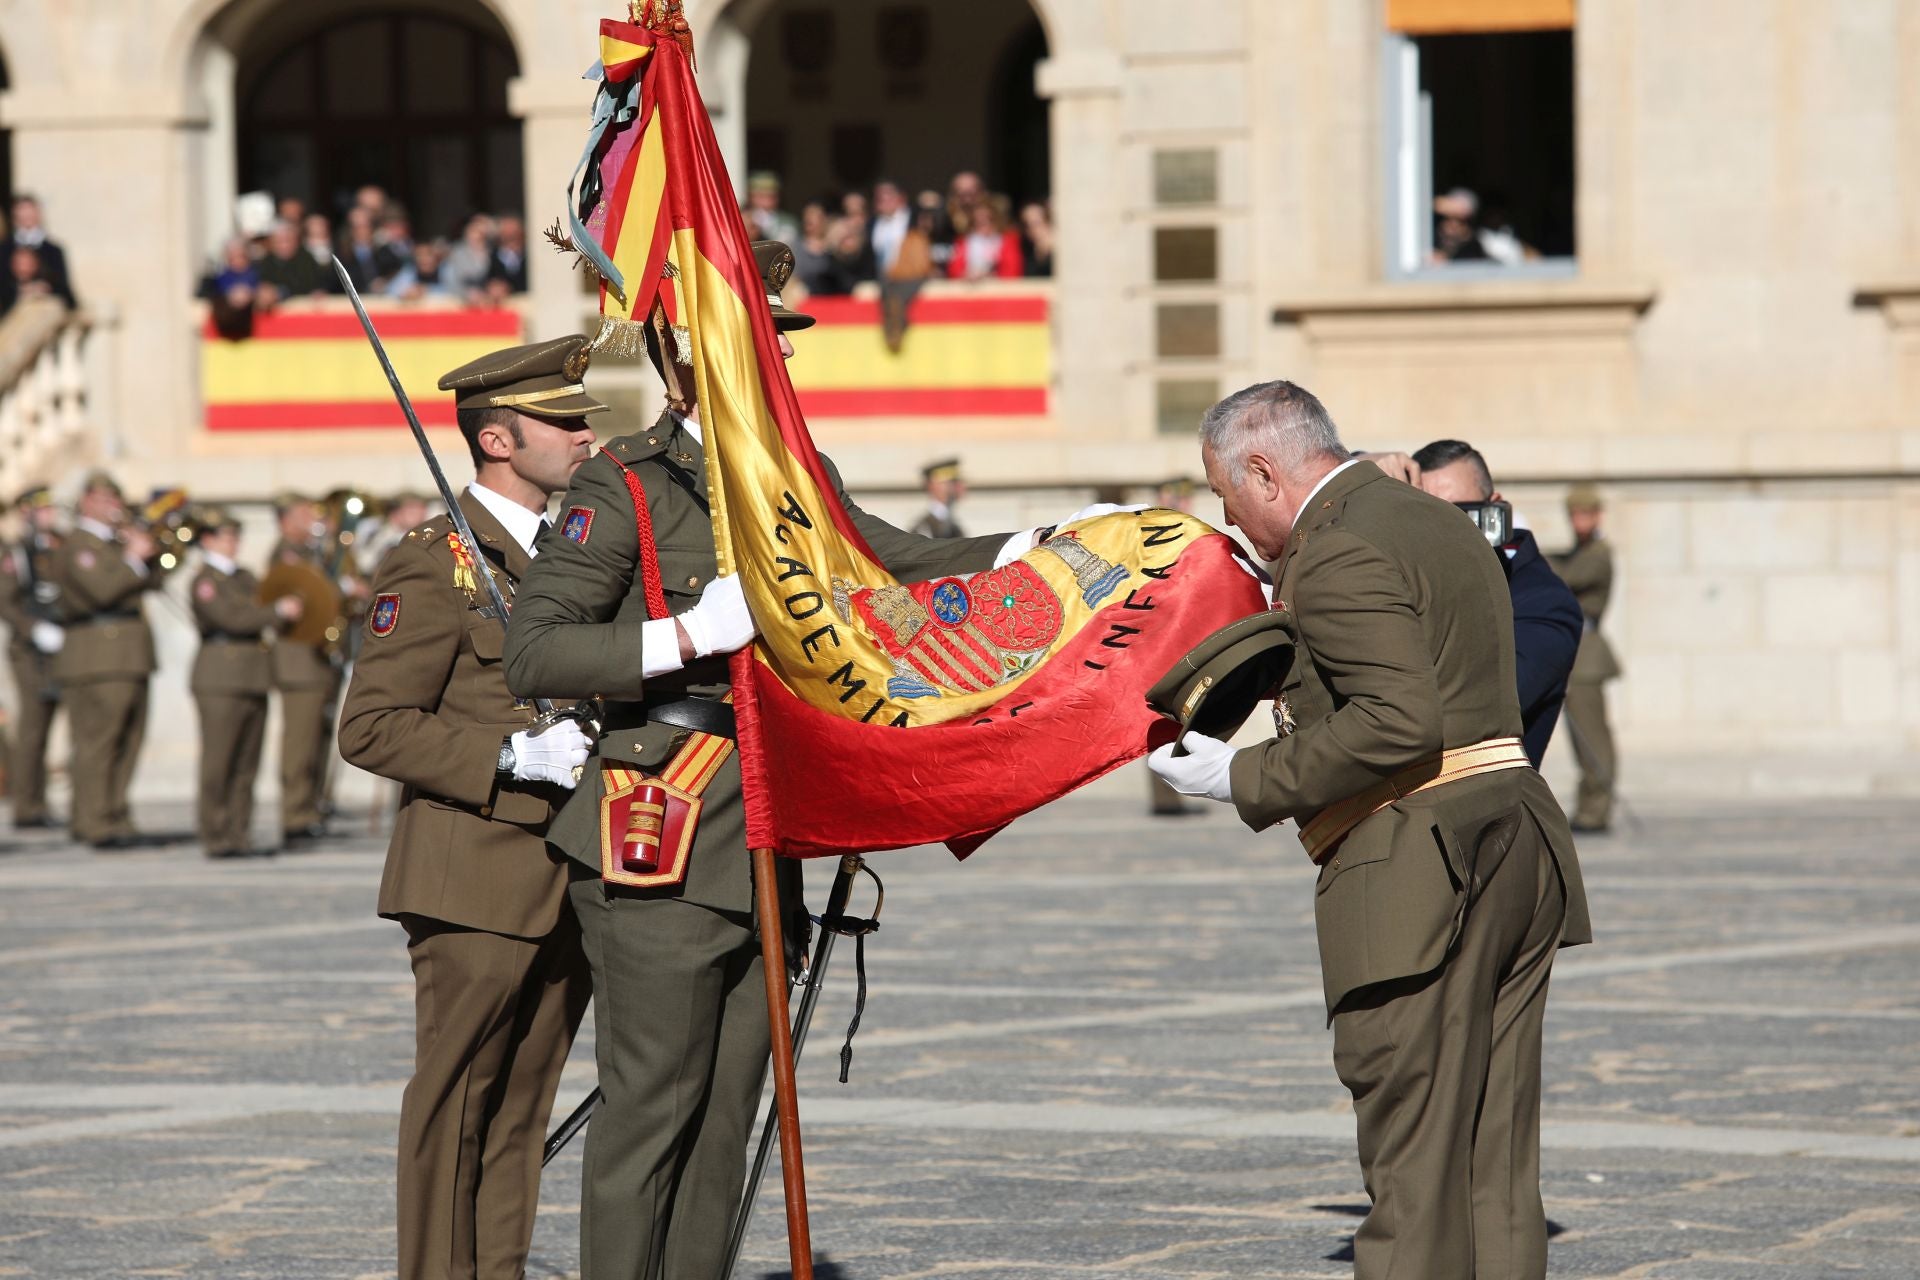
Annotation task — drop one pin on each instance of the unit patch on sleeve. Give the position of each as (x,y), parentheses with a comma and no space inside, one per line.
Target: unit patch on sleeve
(203,591)
(385,614)
(577,525)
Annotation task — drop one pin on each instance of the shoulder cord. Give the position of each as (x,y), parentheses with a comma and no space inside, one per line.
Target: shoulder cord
(643,527)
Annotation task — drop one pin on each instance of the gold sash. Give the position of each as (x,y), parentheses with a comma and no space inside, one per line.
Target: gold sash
(1332,823)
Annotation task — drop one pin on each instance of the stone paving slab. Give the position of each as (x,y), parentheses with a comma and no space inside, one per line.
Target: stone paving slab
(1096,1049)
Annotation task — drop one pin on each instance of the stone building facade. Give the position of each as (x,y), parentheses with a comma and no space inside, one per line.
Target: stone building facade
(1723,327)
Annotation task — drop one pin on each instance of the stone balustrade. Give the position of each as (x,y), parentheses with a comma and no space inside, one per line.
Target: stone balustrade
(43,392)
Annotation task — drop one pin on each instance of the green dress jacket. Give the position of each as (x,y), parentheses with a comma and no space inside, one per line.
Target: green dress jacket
(1404,647)
(576,633)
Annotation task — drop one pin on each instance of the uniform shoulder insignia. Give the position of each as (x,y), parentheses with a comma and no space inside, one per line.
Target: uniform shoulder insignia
(636,447)
(384,617)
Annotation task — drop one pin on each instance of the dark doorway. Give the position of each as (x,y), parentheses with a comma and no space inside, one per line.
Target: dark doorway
(414,102)
(1019,129)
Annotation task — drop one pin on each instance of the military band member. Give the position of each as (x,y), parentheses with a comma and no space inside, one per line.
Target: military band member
(231,676)
(1447,876)
(104,570)
(30,607)
(680,1013)
(308,681)
(499,980)
(944,489)
(1588,569)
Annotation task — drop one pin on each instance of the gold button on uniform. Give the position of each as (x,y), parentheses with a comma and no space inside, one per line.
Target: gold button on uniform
(693,580)
(486,811)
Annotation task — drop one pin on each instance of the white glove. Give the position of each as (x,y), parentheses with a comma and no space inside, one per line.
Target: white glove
(553,756)
(720,623)
(1205,771)
(1102,509)
(48,637)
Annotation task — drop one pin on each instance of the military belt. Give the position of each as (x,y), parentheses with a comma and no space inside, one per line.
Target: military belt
(1330,826)
(228,637)
(702,715)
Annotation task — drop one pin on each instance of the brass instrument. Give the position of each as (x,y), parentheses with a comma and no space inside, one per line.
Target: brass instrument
(320,623)
(173,523)
(342,512)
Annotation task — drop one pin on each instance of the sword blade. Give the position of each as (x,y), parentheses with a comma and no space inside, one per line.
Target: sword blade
(543,705)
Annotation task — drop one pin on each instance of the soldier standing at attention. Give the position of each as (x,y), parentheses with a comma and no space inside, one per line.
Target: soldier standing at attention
(307,681)
(680,1012)
(231,676)
(102,570)
(499,980)
(1588,569)
(30,606)
(944,489)
(1447,876)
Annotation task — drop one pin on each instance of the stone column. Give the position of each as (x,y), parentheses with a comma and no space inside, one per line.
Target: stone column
(554,114)
(1091,266)
(119,178)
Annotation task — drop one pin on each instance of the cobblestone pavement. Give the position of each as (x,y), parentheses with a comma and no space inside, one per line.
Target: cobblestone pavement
(1095,1050)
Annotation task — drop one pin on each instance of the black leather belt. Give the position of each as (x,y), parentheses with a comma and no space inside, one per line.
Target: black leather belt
(702,715)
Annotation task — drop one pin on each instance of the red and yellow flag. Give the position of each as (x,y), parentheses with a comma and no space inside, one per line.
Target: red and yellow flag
(876,714)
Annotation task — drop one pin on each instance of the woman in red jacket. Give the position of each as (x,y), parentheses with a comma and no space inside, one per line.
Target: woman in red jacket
(990,248)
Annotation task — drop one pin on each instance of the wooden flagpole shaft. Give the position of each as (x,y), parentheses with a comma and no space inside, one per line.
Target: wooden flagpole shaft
(786,1103)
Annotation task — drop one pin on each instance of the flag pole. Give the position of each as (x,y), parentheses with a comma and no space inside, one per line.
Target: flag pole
(786,1102)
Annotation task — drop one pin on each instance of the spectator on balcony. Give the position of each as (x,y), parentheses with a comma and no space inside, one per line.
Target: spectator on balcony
(892,219)
(507,268)
(930,215)
(396,233)
(966,201)
(373,198)
(765,218)
(26,279)
(852,237)
(464,274)
(232,290)
(369,263)
(291,209)
(990,247)
(316,230)
(423,279)
(1454,237)
(287,270)
(30,232)
(815,264)
(1036,228)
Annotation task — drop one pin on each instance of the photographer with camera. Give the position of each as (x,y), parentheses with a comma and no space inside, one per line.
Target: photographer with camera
(1546,617)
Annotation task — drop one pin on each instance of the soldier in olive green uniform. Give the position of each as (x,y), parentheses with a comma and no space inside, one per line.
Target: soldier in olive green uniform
(500,983)
(1588,569)
(680,1011)
(308,681)
(30,608)
(944,489)
(103,570)
(230,680)
(1447,874)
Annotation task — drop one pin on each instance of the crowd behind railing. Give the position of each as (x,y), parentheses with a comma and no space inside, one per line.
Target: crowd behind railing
(36,265)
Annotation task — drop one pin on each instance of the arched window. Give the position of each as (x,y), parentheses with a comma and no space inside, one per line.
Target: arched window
(414,102)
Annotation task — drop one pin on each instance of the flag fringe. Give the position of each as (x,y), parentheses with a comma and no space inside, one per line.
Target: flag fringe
(619,337)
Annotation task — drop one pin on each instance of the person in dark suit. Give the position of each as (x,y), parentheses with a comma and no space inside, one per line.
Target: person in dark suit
(1546,616)
(29,232)
(369,263)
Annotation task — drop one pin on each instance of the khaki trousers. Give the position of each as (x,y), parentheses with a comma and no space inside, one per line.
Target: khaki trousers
(32,725)
(107,720)
(680,1035)
(1444,1069)
(1586,707)
(494,1018)
(232,727)
(303,751)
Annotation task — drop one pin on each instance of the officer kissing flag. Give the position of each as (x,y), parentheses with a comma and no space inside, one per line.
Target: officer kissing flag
(873,714)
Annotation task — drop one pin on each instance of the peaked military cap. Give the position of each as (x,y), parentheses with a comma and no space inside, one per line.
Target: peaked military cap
(102,480)
(1584,497)
(38,496)
(945,469)
(541,378)
(1215,687)
(776,268)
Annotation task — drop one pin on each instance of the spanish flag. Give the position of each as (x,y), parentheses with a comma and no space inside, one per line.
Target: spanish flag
(875,714)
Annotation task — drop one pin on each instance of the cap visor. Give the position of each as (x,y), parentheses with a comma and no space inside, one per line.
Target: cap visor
(564,407)
(787,321)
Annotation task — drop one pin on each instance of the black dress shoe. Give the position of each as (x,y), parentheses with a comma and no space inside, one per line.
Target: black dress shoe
(41,823)
(1588,828)
(112,844)
(300,837)
(224,854)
